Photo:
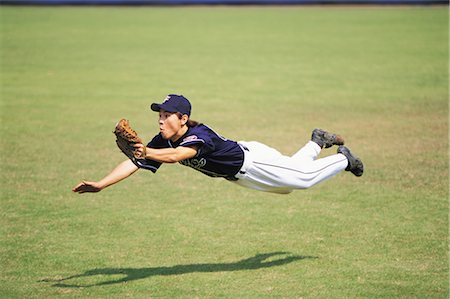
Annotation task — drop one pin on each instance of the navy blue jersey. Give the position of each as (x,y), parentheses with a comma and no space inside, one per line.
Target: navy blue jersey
(216,156)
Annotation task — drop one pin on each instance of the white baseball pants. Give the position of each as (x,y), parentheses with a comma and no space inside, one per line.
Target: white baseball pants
(266,169)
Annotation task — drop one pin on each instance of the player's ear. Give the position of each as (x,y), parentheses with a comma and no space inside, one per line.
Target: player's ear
(184,119)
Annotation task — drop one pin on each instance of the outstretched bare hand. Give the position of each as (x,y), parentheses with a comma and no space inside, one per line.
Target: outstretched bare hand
(86,186)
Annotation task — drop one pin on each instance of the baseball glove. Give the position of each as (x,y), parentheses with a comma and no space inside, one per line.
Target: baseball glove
(126,137)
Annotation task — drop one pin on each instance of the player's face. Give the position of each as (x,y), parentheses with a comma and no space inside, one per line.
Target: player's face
(170,125)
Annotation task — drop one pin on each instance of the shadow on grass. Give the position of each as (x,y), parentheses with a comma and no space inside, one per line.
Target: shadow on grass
(259,261)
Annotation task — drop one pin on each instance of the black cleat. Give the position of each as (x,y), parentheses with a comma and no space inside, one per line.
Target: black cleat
(355,165)
(325,139)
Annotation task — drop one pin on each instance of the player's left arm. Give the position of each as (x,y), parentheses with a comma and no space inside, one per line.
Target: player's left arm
(166,155)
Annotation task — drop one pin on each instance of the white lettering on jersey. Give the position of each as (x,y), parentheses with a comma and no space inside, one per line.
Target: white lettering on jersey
(194,163)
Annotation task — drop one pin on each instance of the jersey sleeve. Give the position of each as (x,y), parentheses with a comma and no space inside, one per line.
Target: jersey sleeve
(147,164)
(201,138)
(153,166)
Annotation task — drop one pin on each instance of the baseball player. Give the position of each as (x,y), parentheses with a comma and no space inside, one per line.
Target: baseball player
(249,164)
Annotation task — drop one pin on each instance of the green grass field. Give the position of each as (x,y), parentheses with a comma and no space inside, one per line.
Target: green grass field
(378,76)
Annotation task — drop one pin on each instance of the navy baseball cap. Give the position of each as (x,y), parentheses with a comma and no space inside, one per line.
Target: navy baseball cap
(174,103)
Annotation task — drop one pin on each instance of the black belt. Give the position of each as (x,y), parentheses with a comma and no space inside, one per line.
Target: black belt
(244,147)
(233,178)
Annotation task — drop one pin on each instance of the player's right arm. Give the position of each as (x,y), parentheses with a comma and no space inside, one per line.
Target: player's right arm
(122,171)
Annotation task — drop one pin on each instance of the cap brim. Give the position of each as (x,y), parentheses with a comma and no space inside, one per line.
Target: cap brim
(158,107)
(155,107)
